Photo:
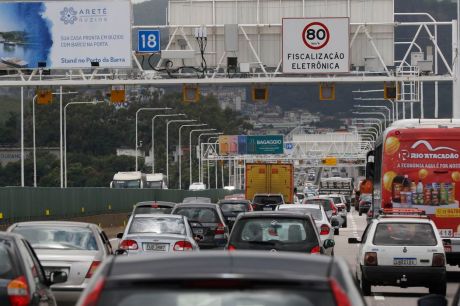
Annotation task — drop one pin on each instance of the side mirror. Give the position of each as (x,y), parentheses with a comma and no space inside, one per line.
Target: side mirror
(328,243)
(121,252)
(353,240)
(120,235)
(198,237)
(57,277)
(432,300)
(335,222)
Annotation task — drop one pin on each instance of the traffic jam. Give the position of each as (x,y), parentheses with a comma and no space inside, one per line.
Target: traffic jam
(276,244)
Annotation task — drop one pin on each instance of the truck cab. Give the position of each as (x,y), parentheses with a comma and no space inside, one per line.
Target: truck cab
(156,181)
(132,179)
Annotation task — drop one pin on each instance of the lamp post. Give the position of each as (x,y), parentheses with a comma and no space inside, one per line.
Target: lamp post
(137,115)
(167,142)
(369,128)
(374,113)
(376,106)
(371,121)
(180,149)
(65,133)
(153,135)
(190,148)
(200,172)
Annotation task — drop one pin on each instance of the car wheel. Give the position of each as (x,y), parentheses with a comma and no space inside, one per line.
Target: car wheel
(360,213)
(439,289)
(336,231)
(365,286)
(344,223)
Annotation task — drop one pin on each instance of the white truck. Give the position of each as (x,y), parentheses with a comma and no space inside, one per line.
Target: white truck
(132,179)
(156,181)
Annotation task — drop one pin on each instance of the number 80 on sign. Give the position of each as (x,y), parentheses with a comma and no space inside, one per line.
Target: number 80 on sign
(148,41)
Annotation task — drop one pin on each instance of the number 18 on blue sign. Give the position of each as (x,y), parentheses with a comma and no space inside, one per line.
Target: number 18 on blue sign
(148,41)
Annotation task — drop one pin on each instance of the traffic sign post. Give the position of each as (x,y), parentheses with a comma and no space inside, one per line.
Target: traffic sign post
(148,41)
(316,45)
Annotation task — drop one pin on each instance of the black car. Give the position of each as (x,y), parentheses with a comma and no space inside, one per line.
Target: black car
(267,201)
(153,207)
(22,278)
(277,231)
(232,208)
(207,222)
(364,203)
(223,278)
(348,202)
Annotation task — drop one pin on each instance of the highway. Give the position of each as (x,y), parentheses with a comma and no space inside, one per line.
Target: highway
(386,296)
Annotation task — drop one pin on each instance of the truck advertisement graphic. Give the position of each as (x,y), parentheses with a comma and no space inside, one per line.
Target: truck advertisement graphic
(421,169)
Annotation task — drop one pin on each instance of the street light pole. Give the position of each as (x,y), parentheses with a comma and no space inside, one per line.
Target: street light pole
(65,134)
(180,149)
(372,120)
(377,106)
(200,172)
(137,115)
(167,142)
(153,135)
(374,113)
(190,149)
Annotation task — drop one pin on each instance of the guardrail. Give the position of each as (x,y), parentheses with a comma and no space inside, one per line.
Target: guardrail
(27,203)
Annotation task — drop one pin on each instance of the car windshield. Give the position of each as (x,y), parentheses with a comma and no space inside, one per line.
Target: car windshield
(366,197)
(127,184)
(286,230)
(144,295)
(275,199)
(397,233)
(323,202)
(6,265)
(233,207)
(154,184)
(59,237)
(157,225)
(200,214)
(315,212)
(337,200)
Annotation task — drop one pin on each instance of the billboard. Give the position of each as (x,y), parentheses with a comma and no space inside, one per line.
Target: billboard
(65,34)
(316,45)
(266,144)
(228,144)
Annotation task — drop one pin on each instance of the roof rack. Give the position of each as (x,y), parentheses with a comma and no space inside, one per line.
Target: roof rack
(402,212)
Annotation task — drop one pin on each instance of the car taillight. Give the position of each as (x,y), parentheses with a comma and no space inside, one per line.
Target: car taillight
(334,209)
(220,230)
(231,248)
(253,206)
(128,245)
(18,292)
(340,296)
(370,259)
(316,250)
(324,229)
(92,268)
(438,260)
(92,297)
(183,246)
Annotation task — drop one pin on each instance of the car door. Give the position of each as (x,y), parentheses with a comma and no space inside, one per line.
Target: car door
(360,256)
(42,295)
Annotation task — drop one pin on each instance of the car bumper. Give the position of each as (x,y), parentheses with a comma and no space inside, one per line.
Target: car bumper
(212,244)
(404,276)
(67,295)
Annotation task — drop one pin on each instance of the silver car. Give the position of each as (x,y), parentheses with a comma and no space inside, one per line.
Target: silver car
(325,229)
(73,247)
(152,233)
(340,203)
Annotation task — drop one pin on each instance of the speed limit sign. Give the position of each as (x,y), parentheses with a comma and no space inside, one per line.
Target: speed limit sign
(316,45)
(315,35)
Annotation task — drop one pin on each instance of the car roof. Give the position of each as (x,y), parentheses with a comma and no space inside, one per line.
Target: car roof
(223,264)
(393,219)
(9,236)
(236,201)
(165,203)
(210,205)
(268,194)
(158,216)
(53,223)
(275,213)
(299,206)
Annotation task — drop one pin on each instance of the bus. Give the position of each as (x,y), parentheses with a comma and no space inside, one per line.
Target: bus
(416,164)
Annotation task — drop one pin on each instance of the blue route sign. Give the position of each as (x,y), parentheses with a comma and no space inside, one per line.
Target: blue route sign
(148,41)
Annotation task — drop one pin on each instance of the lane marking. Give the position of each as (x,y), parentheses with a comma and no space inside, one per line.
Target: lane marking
(379,297)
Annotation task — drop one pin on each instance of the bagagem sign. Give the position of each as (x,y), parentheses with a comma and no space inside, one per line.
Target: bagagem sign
(265,144)
(66,34)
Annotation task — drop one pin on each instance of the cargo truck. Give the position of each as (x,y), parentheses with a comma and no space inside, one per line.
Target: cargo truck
(270,179)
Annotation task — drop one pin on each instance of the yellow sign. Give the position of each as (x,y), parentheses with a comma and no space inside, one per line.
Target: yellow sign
(117,94)
(47,212)
(44,96)
(448,213)
(1,215)
(329,161)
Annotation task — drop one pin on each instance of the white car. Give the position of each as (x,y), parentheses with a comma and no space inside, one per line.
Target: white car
(197,186)
(325,229)
(341,204)
(153,233)
(401,250)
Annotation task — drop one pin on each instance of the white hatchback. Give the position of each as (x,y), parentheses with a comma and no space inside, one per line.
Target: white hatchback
(403,251)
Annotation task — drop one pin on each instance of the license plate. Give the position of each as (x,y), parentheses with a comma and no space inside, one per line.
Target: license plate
(268,208)
(198,231)
(155,247)
(446,233)
(49,270)
(404,261)
(231,218)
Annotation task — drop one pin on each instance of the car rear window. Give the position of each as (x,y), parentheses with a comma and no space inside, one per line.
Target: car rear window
(217,297)
(6,263)
(287,230)
(315,213)
(59,237)
(268,200)
(200,214)
(396,233)
(337,200)
(323,202)
(153,209)
(233,207)
(157,225)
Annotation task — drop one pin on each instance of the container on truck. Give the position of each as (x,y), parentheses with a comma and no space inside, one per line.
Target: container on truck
(417,165)
(266,178)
